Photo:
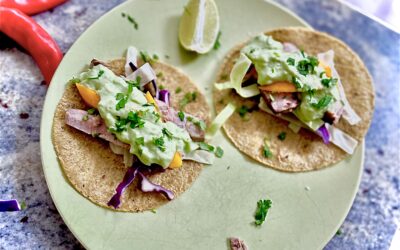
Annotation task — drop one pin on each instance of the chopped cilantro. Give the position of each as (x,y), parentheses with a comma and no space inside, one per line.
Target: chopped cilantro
(23,205)
(145,56)
(181,116)
(282,136)
(155,57)
(178,90)
(329,82)
(302,53)
(74,80)
(153,211)
(135,120)
(167,133)
(338,232)
(101,72)
(243,110)
(266,151)
(321,74)
(262,210)
(160,74)
(122,102)
(85,117)
(161,87)
(157,115)
(219,152)
(119,125)
(296,82)
(188,98)
(139,141)
(323,102)
(290,61)
(217,43)
(159,142)
(131,20)
(91,111)
(201,124)
(123,98)
(205,146)
(307,66)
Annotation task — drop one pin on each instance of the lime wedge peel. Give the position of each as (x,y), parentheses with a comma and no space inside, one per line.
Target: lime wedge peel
(199,26)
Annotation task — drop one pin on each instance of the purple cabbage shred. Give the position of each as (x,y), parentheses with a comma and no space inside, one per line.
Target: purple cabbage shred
(147,186)
(165,96)
(9,206)
(128,179)
(324,133)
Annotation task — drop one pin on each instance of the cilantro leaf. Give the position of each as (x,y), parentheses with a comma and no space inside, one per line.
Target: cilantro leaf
(178,90)
(323,102)
(205,146)
(262,210)
(91,111)
(181,116)
(167,133)
(217,43)
(282,136)
(135,120)
(188,98)
(101,72)
(159,142)
(266,151)
(139,141)
(243,110)
(290,61)
(219,152)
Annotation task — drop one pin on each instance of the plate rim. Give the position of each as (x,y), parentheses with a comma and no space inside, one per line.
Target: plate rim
(43,133)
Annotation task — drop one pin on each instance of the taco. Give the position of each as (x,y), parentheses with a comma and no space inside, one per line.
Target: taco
(131,126)
(304,99)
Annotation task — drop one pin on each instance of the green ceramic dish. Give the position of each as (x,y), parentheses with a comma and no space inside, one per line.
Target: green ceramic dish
(307,209)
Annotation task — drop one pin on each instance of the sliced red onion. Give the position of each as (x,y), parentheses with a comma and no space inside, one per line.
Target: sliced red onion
(324,133)
(133,67)
(9,206)
(128,179)
(289,47)
(131,60)
(147,186)
(155,88)
(165,96)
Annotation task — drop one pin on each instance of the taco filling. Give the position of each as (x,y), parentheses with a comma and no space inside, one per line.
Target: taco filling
(302,89)
(135,117)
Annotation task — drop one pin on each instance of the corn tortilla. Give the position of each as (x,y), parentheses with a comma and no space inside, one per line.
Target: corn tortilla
(95,171)
(303,151)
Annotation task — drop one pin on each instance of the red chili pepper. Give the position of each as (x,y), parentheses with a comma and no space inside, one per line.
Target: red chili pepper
(26,32)
(31,7)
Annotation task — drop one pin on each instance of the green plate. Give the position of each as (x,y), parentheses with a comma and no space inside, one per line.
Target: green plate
(307,208)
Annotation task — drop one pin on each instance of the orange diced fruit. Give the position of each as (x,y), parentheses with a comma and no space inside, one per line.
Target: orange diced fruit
(150,99)
(279,87)
(328,71)
(90,96)
(176,161)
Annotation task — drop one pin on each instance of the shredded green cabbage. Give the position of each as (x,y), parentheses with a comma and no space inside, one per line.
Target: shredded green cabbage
(219,120)
(237,74)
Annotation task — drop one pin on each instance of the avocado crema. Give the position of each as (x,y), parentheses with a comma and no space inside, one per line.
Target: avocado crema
(128,115)
(316,90)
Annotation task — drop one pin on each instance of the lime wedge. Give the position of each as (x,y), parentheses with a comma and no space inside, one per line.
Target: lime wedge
(199,26)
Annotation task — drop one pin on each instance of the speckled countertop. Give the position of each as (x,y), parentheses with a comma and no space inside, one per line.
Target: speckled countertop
(375,214)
